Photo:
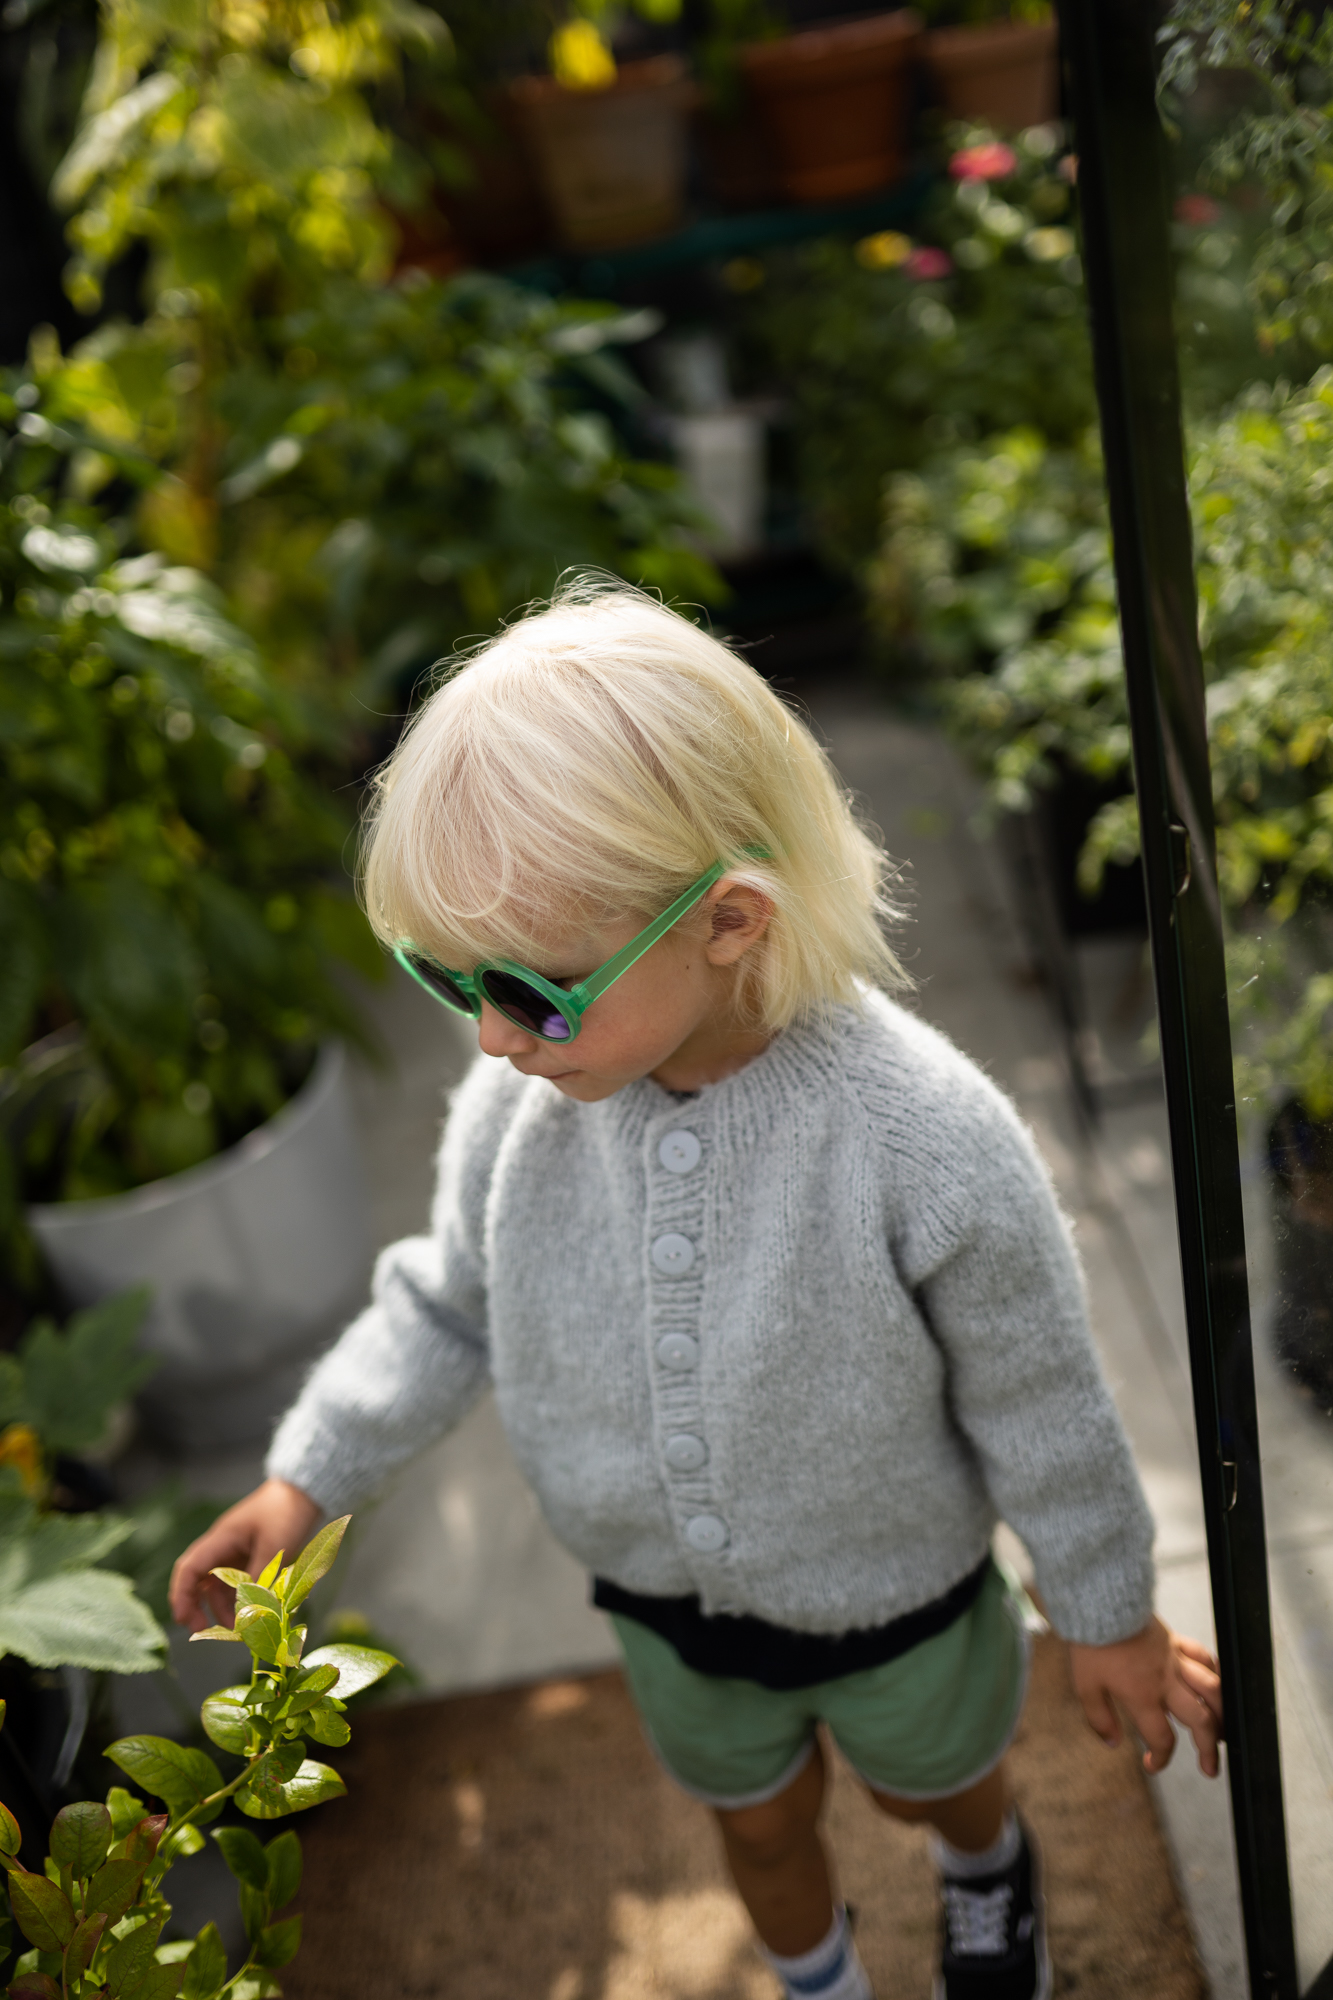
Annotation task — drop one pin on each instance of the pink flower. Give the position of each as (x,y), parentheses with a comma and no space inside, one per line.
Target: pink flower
(1196,209)
(928,263)
(990,162)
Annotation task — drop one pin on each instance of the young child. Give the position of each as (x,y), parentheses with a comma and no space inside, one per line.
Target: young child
(769,1281)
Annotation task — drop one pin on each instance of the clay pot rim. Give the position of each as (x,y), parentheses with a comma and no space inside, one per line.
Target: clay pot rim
(895,30)
(978,42)
(651,73)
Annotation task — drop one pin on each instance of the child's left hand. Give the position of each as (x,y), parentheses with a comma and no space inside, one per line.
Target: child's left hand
(1154,1676)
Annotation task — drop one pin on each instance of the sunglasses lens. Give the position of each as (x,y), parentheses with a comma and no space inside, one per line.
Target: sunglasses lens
(441,985)
(525,1006)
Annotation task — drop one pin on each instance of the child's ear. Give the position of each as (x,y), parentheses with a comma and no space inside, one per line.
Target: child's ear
(737,917)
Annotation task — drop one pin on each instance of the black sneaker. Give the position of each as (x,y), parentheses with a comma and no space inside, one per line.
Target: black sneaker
(995,1935)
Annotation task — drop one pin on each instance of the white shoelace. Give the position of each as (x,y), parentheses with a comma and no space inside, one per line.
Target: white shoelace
(978,1919)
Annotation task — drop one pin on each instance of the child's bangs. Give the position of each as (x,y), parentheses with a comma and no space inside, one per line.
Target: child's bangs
(504,864)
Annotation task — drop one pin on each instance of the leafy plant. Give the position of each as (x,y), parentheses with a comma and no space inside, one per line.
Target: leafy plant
(94,1920)
(86,1590)
(168,877)
(1263,533)
(893,349)
(987,545)
(1280,144)
(367,471)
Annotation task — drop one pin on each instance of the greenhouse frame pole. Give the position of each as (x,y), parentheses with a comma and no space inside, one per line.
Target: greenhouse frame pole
(1108,48)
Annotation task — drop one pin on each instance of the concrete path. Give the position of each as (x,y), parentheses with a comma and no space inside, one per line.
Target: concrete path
(455,1564)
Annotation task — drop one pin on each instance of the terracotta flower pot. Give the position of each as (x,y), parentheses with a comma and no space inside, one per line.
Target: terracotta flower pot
(1004,72)
(611,162)
(836,103)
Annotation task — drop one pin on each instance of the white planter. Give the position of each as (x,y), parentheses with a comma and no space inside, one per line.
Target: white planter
(721,453)
(255,1259)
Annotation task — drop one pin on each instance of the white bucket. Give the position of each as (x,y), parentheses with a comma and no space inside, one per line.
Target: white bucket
(255,1258)
(721,454)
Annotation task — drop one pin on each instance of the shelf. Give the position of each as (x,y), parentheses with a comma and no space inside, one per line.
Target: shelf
(716,238)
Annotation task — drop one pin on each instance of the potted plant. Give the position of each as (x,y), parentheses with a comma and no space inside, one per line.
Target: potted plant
(91,1921)
(172,897)
(894,348)
(994,60)
(607,138)
(836,102)
(739,160)
(83,1590)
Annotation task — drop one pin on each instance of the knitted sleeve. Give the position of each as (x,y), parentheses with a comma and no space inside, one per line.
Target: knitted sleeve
(410,1367)
(992,1263)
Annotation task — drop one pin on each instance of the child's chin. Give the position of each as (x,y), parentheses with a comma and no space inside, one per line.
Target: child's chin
(586,1089)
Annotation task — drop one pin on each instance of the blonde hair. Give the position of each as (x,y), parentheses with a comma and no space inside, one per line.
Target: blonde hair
(588,765)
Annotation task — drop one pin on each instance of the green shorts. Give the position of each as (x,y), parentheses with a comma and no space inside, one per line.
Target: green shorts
(930,1723)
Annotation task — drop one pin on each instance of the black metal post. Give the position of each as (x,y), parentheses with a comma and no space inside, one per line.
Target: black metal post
(1108,47)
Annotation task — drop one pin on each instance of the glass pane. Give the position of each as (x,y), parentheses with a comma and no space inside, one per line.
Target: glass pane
(1253,157)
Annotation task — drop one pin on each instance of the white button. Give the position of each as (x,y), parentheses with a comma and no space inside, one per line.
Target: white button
(673,1254)
(677,1350)
(707,1533)
(685,1453)
(679,1152)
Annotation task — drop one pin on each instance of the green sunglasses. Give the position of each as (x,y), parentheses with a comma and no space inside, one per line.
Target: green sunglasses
(533,1003)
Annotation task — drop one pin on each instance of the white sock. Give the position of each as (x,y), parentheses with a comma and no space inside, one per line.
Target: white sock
(831,1971)
(959,1866)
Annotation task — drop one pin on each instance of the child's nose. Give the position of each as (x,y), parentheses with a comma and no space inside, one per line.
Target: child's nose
(502,1037)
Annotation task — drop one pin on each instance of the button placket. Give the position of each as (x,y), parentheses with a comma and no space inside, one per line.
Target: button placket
(676,1258)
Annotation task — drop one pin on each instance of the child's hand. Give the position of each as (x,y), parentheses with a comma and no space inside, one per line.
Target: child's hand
(275,1516)
(1154,1675)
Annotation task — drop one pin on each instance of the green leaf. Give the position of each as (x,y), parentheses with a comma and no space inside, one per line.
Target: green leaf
(79,1951)
(358,1666)
(80,1838)
(42,1910)
(255,1911)
(310,1688)
(259,1629)
(327,1726)
(130,1958)
(312,1784)
(143,1839)
(243,1854)
(215,1632)
(270,1572)
(160,1982)
(280,1943)
(84,1618)
(274,1769)
(33,1986)
(237,1578)
(206,1967)
(126,1811)
(183,1777)
(11,1837)
(113,1889)
(315,1560)
(226,1719)
(284,1868)
(254,1593)
(73,1380)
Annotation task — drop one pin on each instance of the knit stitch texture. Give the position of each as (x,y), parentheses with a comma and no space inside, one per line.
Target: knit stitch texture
(885,1339)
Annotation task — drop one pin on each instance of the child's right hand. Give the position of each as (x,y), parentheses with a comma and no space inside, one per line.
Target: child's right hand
(277,1515)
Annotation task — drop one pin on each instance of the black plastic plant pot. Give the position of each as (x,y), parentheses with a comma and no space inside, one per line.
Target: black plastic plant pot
(1064,813)
(1300,1163)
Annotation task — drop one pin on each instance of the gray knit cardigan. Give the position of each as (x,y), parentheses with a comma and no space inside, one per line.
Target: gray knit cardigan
(792,1343)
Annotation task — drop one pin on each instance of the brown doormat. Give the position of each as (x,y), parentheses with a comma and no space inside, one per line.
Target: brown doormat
(524,1845)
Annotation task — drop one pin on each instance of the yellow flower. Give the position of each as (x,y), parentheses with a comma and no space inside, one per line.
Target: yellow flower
(884,251)
(1047,245)
(580,59)
(21,1448)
